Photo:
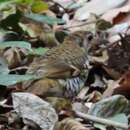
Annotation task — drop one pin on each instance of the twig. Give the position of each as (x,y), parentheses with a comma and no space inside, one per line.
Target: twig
(108,46)
(79,25)
(102,120)
(111,44)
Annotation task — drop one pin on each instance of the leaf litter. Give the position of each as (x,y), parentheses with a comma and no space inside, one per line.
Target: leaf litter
(29,29)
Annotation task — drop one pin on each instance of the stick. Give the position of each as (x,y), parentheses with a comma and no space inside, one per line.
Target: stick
(79,25)
(102,120)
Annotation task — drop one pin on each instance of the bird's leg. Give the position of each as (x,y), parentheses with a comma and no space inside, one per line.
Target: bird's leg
(76,70)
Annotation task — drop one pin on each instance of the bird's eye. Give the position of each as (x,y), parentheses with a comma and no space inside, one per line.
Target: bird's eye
(90,37)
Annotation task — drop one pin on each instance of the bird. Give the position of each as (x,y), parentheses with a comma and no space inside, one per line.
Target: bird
(67,63)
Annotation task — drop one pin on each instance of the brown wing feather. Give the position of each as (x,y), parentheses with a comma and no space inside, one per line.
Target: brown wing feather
(58,62)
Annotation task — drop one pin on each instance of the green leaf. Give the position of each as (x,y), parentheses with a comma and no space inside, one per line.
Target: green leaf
(25,2)
(1,1)
(27,29)
(121,118)
(36,5)
(3,66)
(38,51)
(10,79)
(109,107)
(45,19)
(7,7)
(39,6)
(19,44)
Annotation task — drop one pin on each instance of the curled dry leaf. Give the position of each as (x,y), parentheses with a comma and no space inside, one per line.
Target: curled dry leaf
(33,108)
(122,18)
(123,87)
(113,14)
(70,124)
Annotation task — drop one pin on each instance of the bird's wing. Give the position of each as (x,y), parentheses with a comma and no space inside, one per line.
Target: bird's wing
(59,62)
(52,69)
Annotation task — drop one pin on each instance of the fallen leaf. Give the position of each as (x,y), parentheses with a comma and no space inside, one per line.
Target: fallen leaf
(11,79)
(114,13)
(121,118)
(123,86)
(45,19)
(97,7)
(19,44)
(3,66)
(31,107)
(111,85)
(110,106)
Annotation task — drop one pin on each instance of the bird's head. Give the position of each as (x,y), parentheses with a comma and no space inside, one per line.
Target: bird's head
(80,37)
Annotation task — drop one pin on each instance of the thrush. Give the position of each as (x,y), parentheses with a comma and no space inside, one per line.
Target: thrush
(65,63)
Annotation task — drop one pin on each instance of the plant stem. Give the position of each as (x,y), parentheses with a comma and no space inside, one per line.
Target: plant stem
(102,120)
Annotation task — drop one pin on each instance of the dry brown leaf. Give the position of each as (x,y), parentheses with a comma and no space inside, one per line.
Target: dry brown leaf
(112,14)
(124,86)
(122,18)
